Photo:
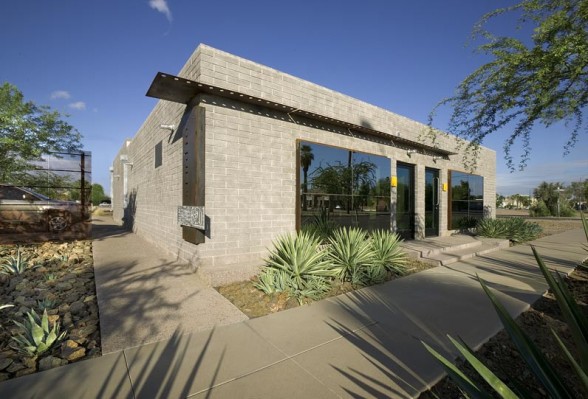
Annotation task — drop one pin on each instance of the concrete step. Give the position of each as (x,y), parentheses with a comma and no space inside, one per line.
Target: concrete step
(435,246)
(458,254)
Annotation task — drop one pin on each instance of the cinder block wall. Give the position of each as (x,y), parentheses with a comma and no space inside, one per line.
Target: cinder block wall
(251,163)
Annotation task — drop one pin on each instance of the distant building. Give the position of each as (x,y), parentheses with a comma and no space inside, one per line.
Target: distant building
(249,153)
(518,201)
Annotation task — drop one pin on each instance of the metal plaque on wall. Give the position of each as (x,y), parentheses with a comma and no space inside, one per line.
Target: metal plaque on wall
(192,216)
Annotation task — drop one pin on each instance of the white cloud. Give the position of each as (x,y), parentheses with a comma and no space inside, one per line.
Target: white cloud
(79,105)
(162,7)
(59,94)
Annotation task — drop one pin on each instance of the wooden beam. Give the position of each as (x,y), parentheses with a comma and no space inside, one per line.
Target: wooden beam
(193,167)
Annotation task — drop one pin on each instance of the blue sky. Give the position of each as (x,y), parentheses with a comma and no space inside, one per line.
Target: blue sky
(95,60)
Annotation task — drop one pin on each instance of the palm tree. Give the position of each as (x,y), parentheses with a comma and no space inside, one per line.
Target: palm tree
(306,158)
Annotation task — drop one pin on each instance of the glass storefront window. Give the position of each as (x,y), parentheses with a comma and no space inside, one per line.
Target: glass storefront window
(352,187)
(467,199)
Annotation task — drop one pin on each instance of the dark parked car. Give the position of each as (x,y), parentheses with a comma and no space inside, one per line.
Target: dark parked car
(20,206)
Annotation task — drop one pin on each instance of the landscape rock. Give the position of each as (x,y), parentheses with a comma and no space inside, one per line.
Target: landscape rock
(5,362)
(70,350)
(77,307)
(64,308)
(30,362)
(24,372)
(65,283)
(67,320)
(51,362)
(14,367)
(64,286)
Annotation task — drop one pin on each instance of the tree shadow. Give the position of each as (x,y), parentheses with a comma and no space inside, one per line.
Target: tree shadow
(393,359)
(404,314)
(103,228)
(130,211)
(137,305)
(165,371)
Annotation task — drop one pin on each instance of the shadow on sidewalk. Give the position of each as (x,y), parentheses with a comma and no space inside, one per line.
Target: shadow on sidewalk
(152,373)
(155,371)
(136,304)
(391,360)
(103,228)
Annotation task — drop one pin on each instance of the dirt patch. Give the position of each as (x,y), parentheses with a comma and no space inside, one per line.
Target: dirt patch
(556,226)
(254,303)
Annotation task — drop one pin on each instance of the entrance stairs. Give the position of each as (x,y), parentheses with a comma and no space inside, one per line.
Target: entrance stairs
(443,251)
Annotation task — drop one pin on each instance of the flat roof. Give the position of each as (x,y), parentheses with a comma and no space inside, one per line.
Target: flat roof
(180,90)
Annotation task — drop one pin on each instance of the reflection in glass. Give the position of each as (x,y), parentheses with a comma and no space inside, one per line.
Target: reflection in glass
(353,187)
(467,199)
(405,201)
(431,202)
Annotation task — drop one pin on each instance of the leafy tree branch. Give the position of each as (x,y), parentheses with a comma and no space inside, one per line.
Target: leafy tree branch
(542,82)
(28,131)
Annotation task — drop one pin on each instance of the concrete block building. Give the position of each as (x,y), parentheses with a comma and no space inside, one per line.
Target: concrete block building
(235,154)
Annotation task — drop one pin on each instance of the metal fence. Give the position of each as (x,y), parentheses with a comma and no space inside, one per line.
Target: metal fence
(48,199)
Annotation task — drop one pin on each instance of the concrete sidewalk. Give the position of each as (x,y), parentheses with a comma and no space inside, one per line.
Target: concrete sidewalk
(145,296)
(362,344)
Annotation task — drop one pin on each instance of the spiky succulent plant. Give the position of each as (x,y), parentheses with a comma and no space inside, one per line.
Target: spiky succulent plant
(36,336)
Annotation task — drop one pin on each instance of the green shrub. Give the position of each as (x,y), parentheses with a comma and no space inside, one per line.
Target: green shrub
(516,230)
(388,252)
(350,253)
(37,337)
(493,228)
(298,266)
(566,211)
(540,209)
(521,231)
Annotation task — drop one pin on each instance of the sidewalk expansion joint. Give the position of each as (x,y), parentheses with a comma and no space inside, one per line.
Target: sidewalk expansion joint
(285,359)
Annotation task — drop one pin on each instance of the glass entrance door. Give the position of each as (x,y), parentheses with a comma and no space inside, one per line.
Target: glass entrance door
(405,201)
(431,202)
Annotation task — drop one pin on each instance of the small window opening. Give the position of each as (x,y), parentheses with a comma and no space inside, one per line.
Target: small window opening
(158,154)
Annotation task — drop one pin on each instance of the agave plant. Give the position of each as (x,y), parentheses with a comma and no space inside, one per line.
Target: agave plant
(388,252)
(37,337)
(351,253)
(520,230)
(15,264)
(46,303)
(271,281)
(298,266)
(516,230)
(540,366)
(492,228)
